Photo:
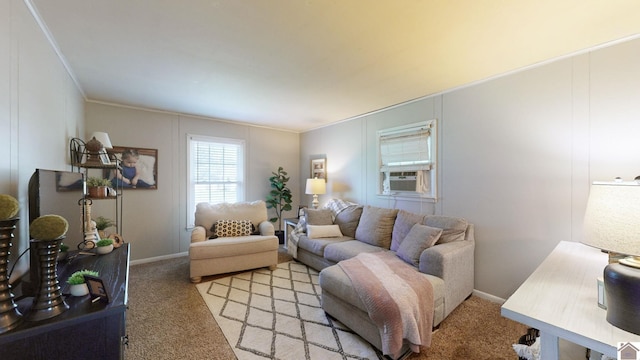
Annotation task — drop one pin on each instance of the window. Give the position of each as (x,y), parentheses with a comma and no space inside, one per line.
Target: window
(408,160)
(216,171)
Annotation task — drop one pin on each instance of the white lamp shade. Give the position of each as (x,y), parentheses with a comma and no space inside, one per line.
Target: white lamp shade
(103,137)
(316,186)
(612,219)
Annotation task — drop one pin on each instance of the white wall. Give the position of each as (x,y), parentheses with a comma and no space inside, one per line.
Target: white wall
(155,221)
(40,108)
(516,155)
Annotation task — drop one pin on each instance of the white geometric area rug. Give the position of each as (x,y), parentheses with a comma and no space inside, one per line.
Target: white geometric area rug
(277,315)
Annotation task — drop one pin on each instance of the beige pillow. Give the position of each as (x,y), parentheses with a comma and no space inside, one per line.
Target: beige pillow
(348,220)
(419,238)
(319,217)
(403,224)
(323,231)
(453,229)
(376,225)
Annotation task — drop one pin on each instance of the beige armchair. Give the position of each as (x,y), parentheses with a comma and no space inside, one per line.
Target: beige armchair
(231,246)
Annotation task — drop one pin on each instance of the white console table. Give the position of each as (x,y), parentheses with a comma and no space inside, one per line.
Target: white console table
(560,299)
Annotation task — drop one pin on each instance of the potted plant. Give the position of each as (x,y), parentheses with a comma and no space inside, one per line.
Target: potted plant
(76,281)
(102,223)
(279,199)
(98,187)
(104,246)
(63,252)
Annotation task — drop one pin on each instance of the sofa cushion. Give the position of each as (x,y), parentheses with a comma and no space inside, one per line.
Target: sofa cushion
(404,222)
(318,216)
(419,238)
(337,252)
(323,231)
(376,225)
(232,228)
(348,220)
(316,246)
(232,246)
(453,229)
(335,281)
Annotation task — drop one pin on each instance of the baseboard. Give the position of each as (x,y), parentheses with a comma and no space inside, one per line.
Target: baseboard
(489,297)
(158,258)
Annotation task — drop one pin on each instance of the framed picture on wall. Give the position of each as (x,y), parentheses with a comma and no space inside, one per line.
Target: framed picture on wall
(319,169)
(301,210)
(138,168)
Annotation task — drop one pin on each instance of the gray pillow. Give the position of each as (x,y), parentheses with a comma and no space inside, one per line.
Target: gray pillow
(419,238)
(319,217)
(402,226)
(453,229)
(376,225)
(348,220)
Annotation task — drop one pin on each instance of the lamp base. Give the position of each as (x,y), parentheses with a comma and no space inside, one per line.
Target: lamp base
(622,288)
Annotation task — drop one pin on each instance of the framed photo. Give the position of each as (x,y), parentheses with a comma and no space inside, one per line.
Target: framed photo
(96,289)
(138,168)
(319,169)
(104,158)
(301,210)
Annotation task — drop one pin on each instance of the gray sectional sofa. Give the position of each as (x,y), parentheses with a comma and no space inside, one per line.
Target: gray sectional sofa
(448,264)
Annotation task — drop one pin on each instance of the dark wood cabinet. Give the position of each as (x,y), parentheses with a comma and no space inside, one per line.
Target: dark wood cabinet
(88,330)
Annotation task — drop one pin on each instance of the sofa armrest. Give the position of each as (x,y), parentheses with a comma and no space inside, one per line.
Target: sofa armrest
(454,263)
(198,234)
(266,228)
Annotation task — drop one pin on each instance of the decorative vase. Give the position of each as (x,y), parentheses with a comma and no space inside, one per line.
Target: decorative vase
(104,249)
(48,301)
(10,317)
(79,289)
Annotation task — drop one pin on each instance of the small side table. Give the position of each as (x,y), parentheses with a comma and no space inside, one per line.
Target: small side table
(290,222)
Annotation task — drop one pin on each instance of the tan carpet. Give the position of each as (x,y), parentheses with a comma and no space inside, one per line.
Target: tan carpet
(168,319)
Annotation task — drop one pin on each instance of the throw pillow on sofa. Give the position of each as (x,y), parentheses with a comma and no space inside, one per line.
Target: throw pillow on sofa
(419,238)
(323,231)
(453,229)
(318,216)
(376,225)
(404,222)
(230,228)
(348,220)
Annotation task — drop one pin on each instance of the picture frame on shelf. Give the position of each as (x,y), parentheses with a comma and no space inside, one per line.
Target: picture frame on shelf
(301,210)
(319,169)
(104,158)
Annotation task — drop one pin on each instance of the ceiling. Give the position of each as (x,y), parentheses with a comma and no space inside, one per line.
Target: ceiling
(302,64)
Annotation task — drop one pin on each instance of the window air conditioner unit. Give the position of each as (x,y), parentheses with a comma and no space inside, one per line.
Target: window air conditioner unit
(402,181)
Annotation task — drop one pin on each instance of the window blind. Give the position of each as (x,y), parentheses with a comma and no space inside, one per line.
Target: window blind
(216,171)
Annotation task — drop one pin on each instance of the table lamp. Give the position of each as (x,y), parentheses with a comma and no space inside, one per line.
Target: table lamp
(316,186)
(612,223)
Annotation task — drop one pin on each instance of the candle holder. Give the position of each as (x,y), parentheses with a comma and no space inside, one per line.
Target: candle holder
(10,317)
(48,301)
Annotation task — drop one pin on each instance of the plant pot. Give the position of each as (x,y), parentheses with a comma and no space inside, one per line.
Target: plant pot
(280,235)
(61,256)
(79,289)
(98,191)
(104,249)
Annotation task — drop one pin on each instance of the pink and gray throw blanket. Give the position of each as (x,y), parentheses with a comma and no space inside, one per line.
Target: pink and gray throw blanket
(397,297)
